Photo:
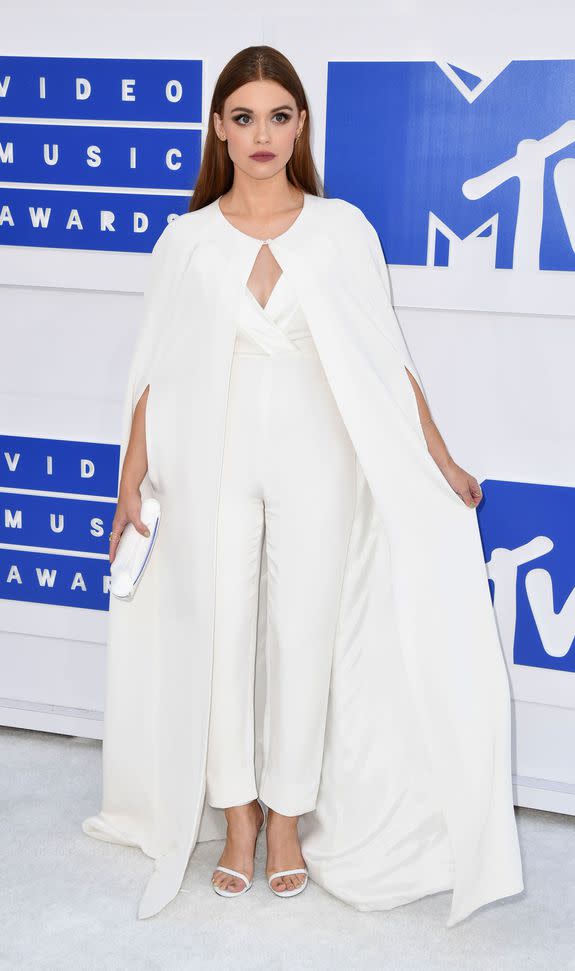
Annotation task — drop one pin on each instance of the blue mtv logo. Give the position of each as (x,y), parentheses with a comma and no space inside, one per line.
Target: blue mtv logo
(528,536)
(454,169)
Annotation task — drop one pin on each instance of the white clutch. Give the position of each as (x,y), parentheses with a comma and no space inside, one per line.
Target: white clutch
(134,551)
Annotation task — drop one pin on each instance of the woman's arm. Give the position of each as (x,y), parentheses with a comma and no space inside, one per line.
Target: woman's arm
(129,505)
(136,458)
(464,484)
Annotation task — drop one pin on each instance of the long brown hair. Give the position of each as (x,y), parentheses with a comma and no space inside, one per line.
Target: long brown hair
(258,63)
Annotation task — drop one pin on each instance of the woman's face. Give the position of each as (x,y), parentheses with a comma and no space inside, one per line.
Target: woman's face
(260,117)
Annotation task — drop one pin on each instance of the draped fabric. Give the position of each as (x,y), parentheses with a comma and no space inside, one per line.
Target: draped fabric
(275,328)
(415,794)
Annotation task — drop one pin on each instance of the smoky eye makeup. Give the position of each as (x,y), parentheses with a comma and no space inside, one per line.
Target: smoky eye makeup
(244,114)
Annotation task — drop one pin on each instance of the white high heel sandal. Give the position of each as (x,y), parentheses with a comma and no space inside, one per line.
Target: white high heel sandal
(236,873)
(285,873)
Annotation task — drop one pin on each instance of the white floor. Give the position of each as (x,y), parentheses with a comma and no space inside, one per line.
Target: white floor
(69,902)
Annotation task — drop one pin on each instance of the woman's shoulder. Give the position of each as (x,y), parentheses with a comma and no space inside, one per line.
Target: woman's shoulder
(343,211)
(352,226)
(183,228)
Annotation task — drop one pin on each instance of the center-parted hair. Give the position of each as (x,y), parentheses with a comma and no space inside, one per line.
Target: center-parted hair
(257,63)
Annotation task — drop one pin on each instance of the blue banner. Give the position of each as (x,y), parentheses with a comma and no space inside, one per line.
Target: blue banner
(430,164)
(528,533)
(102,88)
(61,526)
(145,148)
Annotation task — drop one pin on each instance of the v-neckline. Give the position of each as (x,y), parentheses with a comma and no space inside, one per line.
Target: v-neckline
(265,308)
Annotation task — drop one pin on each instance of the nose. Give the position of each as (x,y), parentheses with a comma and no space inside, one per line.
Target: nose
(262,134)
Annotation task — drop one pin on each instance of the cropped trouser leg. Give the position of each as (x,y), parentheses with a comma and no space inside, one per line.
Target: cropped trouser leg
(288,476)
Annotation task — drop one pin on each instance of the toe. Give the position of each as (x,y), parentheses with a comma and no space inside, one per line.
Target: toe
(228,882)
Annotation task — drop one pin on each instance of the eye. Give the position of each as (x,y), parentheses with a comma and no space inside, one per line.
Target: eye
(279,114)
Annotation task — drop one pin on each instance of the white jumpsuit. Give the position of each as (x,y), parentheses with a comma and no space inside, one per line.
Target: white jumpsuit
(288,464)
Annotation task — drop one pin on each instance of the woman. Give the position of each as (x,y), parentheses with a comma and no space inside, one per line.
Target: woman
(272,394)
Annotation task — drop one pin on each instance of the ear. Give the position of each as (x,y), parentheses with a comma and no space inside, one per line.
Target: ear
(218,126)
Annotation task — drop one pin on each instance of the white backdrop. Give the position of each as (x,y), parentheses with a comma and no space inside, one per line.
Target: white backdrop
(495,352)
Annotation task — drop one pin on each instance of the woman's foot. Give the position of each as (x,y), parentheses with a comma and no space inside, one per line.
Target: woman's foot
(244,823)
(284,852)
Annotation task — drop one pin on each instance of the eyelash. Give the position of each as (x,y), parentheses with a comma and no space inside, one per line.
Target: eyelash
(278,113)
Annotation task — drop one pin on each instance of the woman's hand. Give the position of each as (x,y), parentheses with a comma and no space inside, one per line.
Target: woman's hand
(463,483)
(127,511)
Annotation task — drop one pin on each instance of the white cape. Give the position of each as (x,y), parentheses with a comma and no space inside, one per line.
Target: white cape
(415,794)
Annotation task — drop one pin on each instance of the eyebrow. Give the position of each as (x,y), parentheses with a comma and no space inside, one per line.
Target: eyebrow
(273,110)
